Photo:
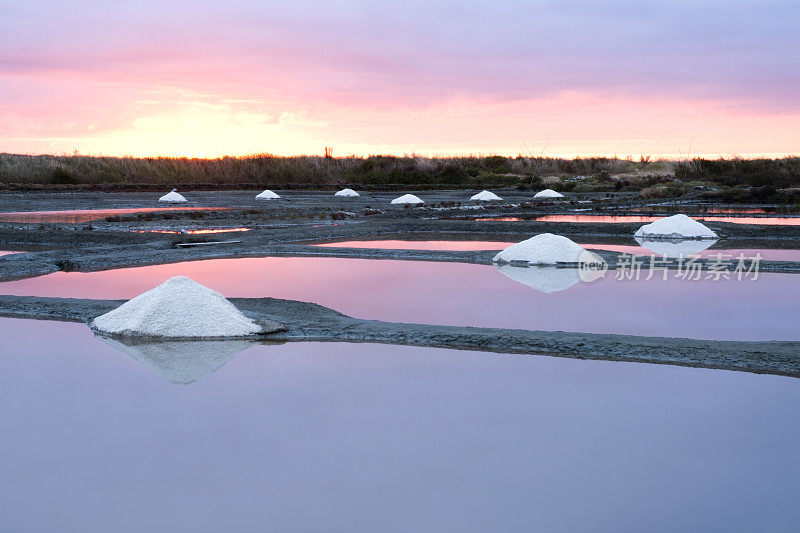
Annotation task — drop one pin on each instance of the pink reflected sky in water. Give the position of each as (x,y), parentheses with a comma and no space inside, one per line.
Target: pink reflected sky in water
(469,295)
(769,221)
(87,215)
(469,246)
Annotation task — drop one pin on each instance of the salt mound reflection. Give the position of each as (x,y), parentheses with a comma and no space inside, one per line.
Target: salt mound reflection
(543,279)
(676,247)
(180,362)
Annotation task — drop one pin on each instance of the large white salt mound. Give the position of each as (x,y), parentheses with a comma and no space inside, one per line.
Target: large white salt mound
(543,279)
(548,193)
(676,247)
(545,249)
(173,197)
(346,192)
(485,196)
(267,195)
(178,308)
(676,226)
(180,362)
(407,199)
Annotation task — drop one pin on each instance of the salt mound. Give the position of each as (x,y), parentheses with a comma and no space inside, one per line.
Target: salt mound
(548,193)
(407,199)
(543,279)
(180,362)
(485,196)
(676,247)
(173,197)
(545,249)
(267,195)
(676,226)
(178,308)
(346,192)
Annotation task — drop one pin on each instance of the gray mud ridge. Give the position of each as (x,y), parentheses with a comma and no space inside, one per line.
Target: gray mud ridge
(311,322)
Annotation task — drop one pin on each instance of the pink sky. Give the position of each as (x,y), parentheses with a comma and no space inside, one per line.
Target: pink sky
(563,79)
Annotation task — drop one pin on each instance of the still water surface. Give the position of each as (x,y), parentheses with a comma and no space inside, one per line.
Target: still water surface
(767,254)
(364,438)
(472,295)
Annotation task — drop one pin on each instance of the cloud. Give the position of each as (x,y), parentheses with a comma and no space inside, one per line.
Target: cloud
(110,65)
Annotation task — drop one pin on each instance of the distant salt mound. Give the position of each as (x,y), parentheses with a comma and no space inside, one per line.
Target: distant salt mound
(179,362)
(676,247)
(267,195)
(178,308)
(675,227)
(346,192)
(173,197)
(485,196)
(545,249)
(543,279)
(407,199)
(548,193)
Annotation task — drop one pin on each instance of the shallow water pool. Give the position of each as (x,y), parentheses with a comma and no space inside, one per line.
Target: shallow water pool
(364,438)
(472,295)
(73,216)
(767,254)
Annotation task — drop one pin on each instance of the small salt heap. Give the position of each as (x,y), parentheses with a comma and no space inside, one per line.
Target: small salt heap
(546,249)
(675,227)
(178,308)
(485,196)
(173,197)
(407,199)
(267,195)
(548,193)
(346,192)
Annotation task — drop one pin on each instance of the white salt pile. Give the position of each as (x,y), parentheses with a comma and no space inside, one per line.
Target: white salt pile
(180,362)
(546,249)
(178,308)
(485,196)
(173,197)
(267,195)
(548,193)
(543,279)
(675,227)
(407,199)
(346,192)
(676,247)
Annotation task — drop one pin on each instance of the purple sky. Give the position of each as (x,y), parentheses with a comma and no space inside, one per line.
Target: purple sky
(209,77)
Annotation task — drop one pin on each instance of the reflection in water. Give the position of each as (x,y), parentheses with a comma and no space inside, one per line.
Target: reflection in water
(611,219)
(395,244)
(179,362)
(193,231)
(468,295)
(543,279)
(676,247)
(7,252)
(87,215)
(503,443)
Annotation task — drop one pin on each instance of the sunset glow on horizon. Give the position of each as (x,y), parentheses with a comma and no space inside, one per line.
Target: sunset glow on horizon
(565,79)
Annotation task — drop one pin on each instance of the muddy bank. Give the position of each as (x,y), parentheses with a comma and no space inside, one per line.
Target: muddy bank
(312,322)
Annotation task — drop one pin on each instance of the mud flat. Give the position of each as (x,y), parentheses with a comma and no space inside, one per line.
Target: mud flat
(311,322)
